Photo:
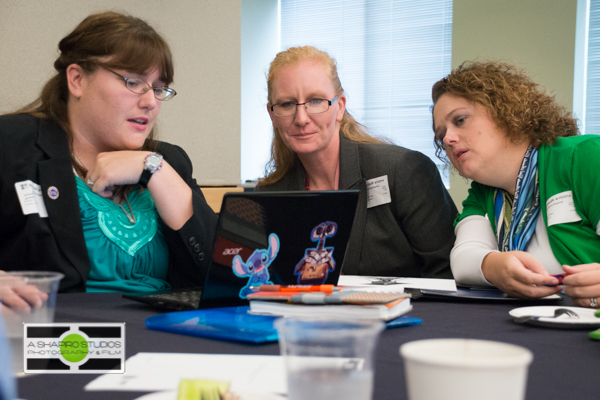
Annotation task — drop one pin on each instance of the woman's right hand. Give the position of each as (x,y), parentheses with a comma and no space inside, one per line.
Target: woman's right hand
(115,168)
(171,195)
(519,274)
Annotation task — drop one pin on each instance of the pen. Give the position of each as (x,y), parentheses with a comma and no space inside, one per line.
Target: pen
(348,297)
(560,279)
(296,288)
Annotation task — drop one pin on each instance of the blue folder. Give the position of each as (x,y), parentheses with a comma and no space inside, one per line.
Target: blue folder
(232,323)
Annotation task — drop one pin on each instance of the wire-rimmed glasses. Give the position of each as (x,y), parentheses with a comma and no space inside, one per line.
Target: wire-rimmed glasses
(312,106)
(140,86)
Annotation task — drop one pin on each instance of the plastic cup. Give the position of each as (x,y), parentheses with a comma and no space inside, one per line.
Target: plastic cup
(328,359)
(465,369)
(26,297)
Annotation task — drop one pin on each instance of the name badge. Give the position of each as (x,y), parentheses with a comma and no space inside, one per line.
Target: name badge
(30,197)
(561,209)
(378,191)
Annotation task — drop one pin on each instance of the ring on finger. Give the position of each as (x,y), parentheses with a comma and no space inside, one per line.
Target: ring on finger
(594,302)
(90,182)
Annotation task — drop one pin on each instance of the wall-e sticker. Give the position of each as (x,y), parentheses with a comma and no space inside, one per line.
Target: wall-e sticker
(314,268)
(257,266)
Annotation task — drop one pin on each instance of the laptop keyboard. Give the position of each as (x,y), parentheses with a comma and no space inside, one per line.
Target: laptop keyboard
(191,297)
(178,300)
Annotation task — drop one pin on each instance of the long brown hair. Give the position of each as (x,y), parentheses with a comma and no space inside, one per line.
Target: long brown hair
(282,158)
(111,40)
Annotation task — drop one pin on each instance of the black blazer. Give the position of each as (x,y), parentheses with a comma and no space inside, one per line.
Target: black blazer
(38,150)
(410,236)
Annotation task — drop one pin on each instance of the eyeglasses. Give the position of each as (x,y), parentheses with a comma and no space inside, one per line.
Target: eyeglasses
(312,106)
(139,86)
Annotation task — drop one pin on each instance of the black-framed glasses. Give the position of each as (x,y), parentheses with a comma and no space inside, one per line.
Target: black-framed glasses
(140,86)
(312,106)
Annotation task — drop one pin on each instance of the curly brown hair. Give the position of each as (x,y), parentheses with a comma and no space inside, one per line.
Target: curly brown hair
(519,106)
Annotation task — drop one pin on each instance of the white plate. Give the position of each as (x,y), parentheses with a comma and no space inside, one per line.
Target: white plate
(586,319)
(172,395)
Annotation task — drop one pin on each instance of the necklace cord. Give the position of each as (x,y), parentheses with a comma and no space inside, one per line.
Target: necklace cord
(130,217)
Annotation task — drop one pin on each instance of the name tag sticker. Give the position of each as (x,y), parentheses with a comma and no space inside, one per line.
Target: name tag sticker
(378,191)
(30,197)
(561,209)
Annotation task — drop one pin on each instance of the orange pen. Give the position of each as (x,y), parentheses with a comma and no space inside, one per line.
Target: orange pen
(296,288)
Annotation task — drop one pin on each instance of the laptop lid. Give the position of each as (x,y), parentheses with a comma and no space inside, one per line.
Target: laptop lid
(285,238)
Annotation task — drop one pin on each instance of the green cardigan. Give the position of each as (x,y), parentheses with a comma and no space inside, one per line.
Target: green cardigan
(571,164)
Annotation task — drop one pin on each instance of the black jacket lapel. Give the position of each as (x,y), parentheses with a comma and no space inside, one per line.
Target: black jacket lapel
(351,178)
(63,211)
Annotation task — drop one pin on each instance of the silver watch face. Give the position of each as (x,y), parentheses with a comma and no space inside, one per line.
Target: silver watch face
(153,161)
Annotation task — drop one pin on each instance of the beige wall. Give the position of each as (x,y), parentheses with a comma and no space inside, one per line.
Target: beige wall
(204,118)
(537,35)
(204,36)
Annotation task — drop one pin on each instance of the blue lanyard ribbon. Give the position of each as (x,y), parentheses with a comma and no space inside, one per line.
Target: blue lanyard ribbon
(515,229)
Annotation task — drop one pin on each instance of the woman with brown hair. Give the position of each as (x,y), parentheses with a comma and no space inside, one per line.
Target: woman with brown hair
(85,188)
(403,225)
(533,208)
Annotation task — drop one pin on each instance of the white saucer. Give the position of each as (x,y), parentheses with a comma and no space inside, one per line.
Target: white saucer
(586,319)
(172,395)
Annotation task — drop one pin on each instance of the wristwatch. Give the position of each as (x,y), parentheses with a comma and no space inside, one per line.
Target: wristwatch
(152,163)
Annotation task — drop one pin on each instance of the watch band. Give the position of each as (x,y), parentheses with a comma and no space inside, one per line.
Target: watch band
(145,178)
(150,169)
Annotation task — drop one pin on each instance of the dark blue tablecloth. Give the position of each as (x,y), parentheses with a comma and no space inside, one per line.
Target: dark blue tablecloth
(565,365)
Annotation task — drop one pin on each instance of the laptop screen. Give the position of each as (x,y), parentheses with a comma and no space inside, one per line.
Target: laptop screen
(277,238)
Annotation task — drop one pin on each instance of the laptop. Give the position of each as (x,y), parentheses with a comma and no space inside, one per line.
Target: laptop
(263,238)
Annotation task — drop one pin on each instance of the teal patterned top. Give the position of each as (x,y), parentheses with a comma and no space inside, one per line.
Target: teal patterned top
(124,257)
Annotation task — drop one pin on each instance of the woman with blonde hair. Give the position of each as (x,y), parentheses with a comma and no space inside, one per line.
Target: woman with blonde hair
(85,189)
(532,208)
(318,145)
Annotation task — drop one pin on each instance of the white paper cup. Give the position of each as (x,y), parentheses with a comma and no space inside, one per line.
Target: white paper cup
(465,369)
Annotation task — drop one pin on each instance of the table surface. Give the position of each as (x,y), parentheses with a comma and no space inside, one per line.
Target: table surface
(565,364)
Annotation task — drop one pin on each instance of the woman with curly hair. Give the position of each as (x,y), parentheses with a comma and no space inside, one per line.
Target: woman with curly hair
(533,207)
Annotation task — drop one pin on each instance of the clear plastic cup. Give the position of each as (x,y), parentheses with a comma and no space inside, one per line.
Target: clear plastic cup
(26,297)
(465,369)
(328,359)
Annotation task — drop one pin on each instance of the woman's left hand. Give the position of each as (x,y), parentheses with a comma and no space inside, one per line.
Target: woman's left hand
(583,283)
(115,168)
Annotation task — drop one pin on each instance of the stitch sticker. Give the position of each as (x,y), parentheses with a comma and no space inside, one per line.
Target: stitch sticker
(256,267)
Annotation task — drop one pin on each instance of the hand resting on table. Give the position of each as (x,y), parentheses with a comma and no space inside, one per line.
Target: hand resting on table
(17,296)
(519,274)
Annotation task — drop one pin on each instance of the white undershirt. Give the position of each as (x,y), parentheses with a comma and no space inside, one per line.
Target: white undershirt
(475,240)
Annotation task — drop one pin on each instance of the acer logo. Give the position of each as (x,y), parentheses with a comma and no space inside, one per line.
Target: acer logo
(231,252)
